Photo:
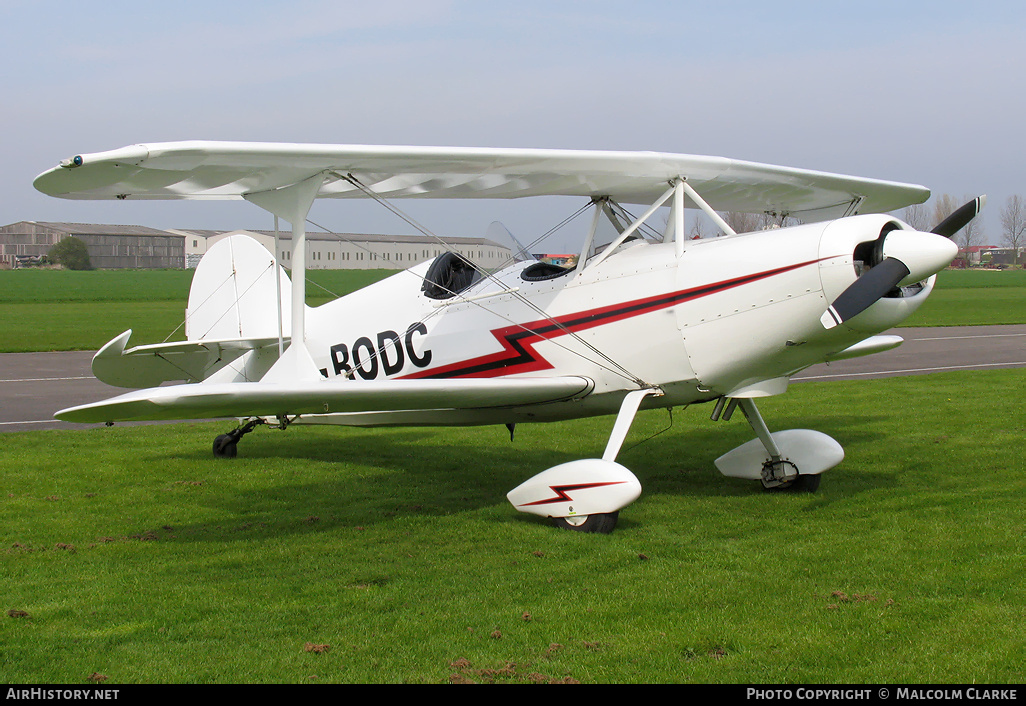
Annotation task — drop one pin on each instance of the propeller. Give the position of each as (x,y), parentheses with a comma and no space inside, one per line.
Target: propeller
(904,257)
(960,217)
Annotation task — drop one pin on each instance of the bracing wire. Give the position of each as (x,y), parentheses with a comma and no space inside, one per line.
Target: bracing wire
(612,367)
(619,369)
(669,425)
(464,299)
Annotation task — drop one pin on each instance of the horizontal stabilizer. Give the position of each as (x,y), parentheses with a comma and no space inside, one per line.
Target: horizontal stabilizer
(151,365)
(263,399)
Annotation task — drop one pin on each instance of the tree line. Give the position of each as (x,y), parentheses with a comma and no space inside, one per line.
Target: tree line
(922,217)
(1013,222)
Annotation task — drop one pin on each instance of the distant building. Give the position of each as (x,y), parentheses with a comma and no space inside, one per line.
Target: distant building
(354,251)
(989,255)
(121,247)
(110,247)
(1007,256)
(973,255)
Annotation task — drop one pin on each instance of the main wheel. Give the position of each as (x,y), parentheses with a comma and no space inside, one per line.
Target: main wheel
(225,446)
(801,484)
(601,523)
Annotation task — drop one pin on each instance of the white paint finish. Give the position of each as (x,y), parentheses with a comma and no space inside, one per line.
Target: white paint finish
(811,451)
(220,170)
(587,486)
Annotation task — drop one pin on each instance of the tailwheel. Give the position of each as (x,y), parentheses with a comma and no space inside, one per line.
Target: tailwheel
(599,523)
(225,446)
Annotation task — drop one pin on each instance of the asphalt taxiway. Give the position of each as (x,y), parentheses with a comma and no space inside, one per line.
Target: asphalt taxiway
(35,385)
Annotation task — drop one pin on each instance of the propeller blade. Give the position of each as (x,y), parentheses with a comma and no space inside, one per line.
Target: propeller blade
(960,217)
(865,291)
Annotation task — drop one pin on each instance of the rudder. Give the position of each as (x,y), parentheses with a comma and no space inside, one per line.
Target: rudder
(233,293)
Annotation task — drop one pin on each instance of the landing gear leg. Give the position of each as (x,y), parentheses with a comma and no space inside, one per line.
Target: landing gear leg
(778,473)
(586,495)
(226,445)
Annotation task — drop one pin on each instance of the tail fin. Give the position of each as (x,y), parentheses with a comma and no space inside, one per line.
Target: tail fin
(233,312)
(234,294)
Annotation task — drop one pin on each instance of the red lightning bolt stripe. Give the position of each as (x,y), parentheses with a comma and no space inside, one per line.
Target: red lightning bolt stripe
(562,490)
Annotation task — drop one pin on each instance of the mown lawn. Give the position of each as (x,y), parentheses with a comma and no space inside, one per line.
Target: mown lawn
(58,310)
(974,298)
(55,310)
(385,556)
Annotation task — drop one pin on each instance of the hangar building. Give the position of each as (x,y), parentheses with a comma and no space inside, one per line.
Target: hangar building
(110,247)
(118,247)
(354,251)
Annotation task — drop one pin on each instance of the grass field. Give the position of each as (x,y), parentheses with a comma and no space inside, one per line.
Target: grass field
(64,310)
(347,555)
(973,298)
(57,310)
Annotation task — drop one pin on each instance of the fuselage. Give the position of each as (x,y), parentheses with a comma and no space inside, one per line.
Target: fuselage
(733,316)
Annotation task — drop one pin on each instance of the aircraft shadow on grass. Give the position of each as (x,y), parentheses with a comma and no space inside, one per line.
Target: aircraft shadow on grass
(410,473)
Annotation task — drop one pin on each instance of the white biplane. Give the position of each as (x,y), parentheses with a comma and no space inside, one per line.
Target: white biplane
(641,322)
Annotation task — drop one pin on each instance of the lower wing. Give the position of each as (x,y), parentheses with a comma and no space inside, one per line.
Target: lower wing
(269,399)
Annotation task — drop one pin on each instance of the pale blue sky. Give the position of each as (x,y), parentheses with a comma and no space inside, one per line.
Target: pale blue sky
(925,92)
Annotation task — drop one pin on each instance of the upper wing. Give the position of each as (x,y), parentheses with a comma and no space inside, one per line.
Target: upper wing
(225,170)
(268,399)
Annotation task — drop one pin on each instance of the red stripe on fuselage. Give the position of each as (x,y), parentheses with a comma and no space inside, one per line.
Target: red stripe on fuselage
(518,340)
